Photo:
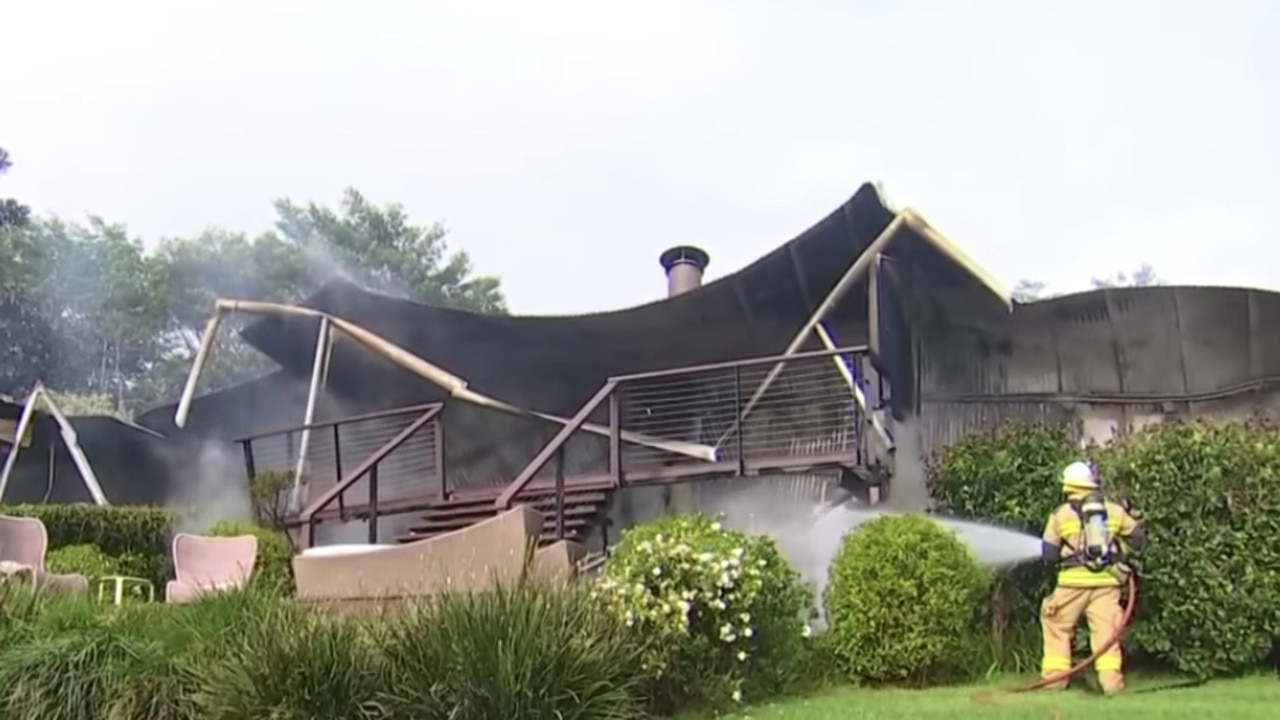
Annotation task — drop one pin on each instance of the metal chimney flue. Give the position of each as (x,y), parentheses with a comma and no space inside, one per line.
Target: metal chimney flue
(684,265)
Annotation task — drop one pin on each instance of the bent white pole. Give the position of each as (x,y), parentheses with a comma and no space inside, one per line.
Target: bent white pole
(842,286)
(309,415)
(72,442)
(19,432)
(197,366)
(859,395)
(454,385)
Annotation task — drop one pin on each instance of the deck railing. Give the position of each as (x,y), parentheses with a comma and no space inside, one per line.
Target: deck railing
(400,454)
(775,414)
(797,415)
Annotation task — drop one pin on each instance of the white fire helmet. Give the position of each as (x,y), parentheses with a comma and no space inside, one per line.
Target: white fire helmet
(1079,476)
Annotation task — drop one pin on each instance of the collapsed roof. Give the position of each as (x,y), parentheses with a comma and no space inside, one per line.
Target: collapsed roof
(553,363)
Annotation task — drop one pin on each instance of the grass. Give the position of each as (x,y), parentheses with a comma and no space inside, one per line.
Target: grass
(1244,699)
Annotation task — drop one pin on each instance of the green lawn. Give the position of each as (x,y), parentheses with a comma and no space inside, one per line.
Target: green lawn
(1246,699)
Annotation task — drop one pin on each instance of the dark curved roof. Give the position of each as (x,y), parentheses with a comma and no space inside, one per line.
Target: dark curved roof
(553,363)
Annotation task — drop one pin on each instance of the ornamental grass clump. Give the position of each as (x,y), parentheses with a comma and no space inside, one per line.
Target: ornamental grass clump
(722,612)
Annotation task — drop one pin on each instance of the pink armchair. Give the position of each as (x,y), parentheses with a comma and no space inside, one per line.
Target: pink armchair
(204,565)
(24,542)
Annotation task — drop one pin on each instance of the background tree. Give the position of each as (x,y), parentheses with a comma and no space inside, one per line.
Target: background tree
(1027,290)
(1144,276)
(27,341)
(378,248)
(12,213)
(88,310)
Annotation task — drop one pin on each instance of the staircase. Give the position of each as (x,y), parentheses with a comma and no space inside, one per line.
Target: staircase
(584,506)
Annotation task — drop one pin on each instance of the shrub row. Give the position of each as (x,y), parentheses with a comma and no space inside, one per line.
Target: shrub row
(133,540)
(686,614)
(1209,496)
(522,652)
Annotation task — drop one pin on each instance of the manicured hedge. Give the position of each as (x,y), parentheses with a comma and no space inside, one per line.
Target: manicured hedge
(137,540)
(1209,495)
(118,531)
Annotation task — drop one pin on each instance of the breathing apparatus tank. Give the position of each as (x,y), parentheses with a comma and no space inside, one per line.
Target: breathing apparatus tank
(1097,539)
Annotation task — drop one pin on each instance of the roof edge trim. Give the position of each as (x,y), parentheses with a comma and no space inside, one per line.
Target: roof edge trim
(957,255)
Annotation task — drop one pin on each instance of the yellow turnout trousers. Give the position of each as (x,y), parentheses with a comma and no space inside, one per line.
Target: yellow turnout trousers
(1059,614)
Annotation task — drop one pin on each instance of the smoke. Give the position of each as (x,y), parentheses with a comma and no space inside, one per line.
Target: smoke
(807,540)
(207,486)
(809,534)
(908,488)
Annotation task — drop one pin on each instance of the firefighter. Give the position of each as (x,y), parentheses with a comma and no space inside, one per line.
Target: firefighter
(1086,538)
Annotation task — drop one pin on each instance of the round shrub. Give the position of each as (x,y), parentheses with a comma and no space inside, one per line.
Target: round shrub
(723,610)
(902,600)
(1209,575)
(274,567)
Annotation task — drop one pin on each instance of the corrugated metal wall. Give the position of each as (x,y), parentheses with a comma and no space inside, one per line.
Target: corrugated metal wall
(1105,360)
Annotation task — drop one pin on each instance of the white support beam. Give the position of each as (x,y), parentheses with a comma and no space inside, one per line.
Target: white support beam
(69,438)
(837,293)
(319,369)
(860,397)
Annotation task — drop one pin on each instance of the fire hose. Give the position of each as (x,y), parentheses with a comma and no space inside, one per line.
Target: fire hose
(1078,668)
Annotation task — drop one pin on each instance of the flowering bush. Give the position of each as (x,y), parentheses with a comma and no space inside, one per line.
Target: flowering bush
(723,611)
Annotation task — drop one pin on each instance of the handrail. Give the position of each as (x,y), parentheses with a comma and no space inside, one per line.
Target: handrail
(731,364)
(579,419)
(544,455)
(393,412)
(369,464)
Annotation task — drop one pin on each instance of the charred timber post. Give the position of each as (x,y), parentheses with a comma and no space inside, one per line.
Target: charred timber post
(441,477)
(684,265)
(250,469)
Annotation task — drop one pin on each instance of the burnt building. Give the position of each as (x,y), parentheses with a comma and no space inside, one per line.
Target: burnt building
(834,361)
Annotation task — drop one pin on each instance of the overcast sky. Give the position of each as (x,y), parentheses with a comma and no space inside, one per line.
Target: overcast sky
(565,144)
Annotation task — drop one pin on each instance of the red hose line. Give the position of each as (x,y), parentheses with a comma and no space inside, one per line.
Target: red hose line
(1083,664)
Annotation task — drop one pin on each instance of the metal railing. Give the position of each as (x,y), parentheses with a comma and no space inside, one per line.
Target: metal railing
(730,419)
(398,458)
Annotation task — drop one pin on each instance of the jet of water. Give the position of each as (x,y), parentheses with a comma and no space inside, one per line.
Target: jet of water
(991,544)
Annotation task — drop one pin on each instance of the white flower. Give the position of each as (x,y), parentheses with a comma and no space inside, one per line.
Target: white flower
(742,656)
(716,526)
(737,696)
(748,632)
(630,618)
(646,546)
(808,631)
(657,571)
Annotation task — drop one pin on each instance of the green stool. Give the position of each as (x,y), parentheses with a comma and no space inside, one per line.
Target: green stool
(121,585)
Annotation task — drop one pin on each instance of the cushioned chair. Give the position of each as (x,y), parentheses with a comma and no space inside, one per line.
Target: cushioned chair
(24,542)
(205,565)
